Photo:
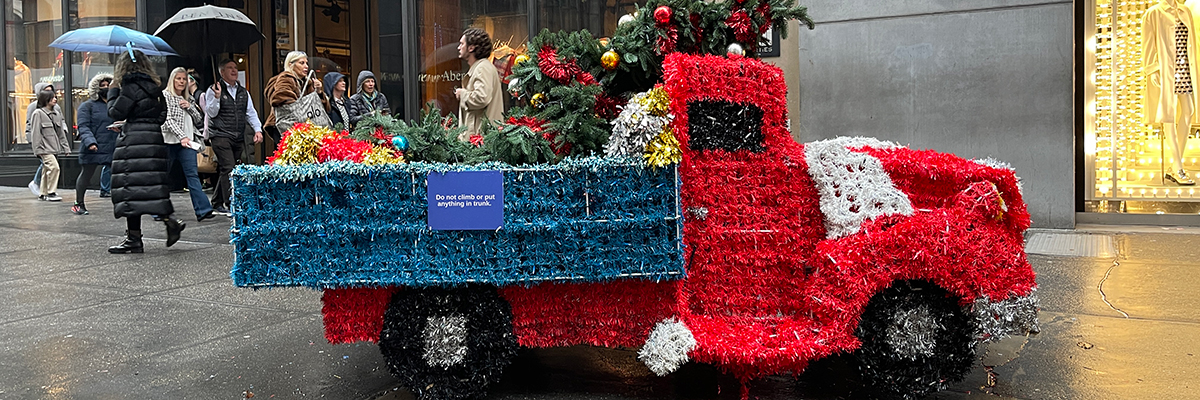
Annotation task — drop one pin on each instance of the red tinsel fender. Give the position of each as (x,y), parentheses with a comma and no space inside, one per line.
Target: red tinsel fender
(353,315)
(619,313)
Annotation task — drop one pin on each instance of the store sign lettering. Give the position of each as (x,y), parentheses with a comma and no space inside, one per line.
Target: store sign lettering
(51,79)
(448,76)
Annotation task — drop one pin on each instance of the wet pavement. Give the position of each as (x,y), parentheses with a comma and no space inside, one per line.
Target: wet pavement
(78,323)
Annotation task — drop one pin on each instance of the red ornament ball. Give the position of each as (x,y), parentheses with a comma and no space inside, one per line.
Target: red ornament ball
(662,15)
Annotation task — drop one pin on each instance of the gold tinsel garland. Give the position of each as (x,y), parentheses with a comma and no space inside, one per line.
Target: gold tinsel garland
(656,102)
(301,144)
(663,150)
(379,155)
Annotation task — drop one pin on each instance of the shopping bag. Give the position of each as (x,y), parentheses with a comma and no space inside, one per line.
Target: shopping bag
(306,108)
(206,161)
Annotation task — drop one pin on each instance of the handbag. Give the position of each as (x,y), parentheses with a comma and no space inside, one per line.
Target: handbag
(206,161)
(306,108)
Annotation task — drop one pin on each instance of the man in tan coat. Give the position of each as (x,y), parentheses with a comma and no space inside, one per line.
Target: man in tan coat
(479,100)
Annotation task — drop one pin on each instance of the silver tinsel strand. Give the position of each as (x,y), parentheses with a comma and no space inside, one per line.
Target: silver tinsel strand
(1012,316)
(914,333)
(446,340)
(634,128)
(668,346)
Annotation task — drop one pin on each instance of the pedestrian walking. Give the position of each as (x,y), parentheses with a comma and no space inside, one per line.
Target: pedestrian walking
(36,183)
(140,161)
(336,84)
(96,140)
(182,139)
(367,100)
(49,139)
(229,109)
(480,100)
(286,87)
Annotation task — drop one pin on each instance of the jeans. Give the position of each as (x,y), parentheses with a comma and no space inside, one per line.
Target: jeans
(227,151)
(106,178)
(187,161)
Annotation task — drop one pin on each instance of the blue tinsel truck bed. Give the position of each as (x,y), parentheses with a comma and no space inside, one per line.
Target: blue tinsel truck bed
(594,219)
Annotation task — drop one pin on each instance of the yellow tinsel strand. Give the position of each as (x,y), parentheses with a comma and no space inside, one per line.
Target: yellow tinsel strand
(656,102)
(663,150)
(301,145)
(379,155)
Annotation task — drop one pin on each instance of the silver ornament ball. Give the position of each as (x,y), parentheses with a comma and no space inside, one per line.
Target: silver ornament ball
(735,50)
(514,85)
(627,18)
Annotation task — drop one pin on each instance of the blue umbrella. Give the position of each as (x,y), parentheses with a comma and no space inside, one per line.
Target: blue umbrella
(112,39)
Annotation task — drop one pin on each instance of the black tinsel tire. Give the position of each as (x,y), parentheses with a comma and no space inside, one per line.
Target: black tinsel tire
(916,339)
(448,343)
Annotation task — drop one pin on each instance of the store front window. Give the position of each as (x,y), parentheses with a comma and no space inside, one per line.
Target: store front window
(1138,137)
(441,24)
(31,26)
(90,14)
(598,17)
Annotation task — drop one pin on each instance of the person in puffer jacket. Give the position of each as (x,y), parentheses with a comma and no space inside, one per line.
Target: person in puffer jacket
(368,99)
(96,140)
(140,162)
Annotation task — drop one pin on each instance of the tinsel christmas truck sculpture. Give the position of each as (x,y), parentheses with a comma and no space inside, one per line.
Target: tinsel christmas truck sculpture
(753,253)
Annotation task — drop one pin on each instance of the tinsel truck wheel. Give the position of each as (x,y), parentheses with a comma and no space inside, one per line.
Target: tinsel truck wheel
(448,343)
(916,338)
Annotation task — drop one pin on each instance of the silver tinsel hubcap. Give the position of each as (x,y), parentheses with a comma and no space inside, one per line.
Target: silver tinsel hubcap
(914,332)
(446,340)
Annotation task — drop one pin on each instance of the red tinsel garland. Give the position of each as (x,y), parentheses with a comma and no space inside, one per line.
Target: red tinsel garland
(342,148)
(739,21)
(608,107)
(667,39)
(353,315)
(539,127)
(562,71)
(764,9)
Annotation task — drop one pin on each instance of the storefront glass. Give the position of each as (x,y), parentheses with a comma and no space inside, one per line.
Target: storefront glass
(598,17)
(89,14)
(1128,156)
(440,26)
(31,26)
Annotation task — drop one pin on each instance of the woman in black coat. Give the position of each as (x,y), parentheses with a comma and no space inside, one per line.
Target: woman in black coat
(96,140)
(140,167)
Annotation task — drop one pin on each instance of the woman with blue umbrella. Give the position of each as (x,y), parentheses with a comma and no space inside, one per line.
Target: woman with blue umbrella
(140,180)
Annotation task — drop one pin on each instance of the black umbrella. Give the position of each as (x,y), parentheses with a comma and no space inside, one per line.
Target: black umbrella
(209,30)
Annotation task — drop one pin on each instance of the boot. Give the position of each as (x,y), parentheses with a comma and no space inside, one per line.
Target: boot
(174,227)
(131,244)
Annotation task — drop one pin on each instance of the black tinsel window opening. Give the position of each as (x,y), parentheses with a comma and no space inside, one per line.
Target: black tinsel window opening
(724,125)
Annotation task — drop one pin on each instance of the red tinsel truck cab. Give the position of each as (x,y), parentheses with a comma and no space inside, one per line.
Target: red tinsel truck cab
(791,252)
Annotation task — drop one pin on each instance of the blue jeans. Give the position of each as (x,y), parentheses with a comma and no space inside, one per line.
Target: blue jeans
(106,178)
(187,160)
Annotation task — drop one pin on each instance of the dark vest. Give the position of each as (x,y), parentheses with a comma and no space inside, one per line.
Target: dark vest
(230,121)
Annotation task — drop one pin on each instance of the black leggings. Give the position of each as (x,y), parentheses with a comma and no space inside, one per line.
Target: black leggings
(133,223)
(81,183)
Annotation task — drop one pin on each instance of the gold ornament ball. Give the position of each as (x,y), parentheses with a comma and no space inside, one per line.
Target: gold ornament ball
(537,100)
(609,60)
(521,58)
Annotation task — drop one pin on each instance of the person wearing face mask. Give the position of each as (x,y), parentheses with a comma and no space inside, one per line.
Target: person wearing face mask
(367,100)
(96,140)
(182,139)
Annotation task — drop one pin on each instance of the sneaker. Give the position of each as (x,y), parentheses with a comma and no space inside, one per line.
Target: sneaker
(222,211)
(105,194)
(202,217)
(158,218)
(51,197)
(33,187)
(79,209)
